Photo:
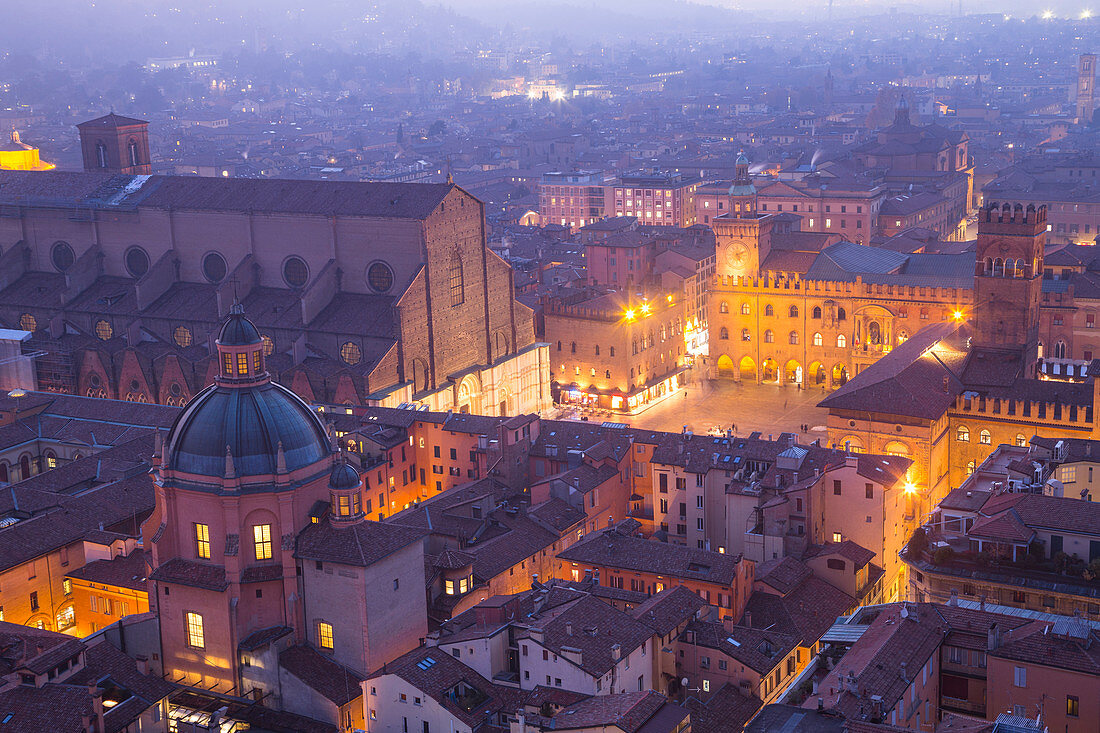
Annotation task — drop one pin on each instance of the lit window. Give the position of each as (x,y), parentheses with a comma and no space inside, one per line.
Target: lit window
(227,364)
(269,346)
(195,636)
(202,541)
(256,361)
(838,537)
(985,438)
(67,586)
(841,341)
(324,635)
(103,330)
(182,337)
(27,322)
(261,534)
(350,353)
(242,364)
(963,434)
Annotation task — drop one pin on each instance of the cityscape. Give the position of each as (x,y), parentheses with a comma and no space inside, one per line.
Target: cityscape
(602,367)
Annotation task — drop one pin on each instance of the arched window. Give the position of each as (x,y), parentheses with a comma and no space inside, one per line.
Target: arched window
(458,290)
(1021,441)
(1059,350)
(745,335)
(1010,268)
(985,437)
(816,311)
(793,338)
(612,351)
(963,434)
(768,310)
(723,307)
(841,342)
(987,266)
(101,155)
(724,334)
(998,267)
(897,448)
(4,472)
(769,337)
(970,468)
(132,147)
(745,309)
(607,374)
(903,336)
(559,346)
(597,349)
(817,339)
(573,347)
(841,314)
(793,311)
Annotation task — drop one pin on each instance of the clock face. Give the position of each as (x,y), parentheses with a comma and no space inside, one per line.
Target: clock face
(736,256)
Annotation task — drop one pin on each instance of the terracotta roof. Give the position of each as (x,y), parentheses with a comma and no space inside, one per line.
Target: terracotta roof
(360,543)
(593,627)
(806,611)
(794,719)
(783,574)
(857,553)
(338,684)
(626,711)
(56,708)
(668,609)
(112,120)
(758,649)
(453,560)
(263,637)
(121,571)
(724,710)
(612,548)
(188,572)
(1043,647)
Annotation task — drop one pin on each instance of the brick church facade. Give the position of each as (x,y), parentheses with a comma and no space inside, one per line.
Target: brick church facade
(364,293)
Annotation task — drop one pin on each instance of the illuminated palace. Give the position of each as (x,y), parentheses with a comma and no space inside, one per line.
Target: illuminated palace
(16,155)
(266,575)
(364,293)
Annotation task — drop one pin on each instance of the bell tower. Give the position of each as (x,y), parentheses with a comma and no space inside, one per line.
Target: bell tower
(1008,278)
(115,144)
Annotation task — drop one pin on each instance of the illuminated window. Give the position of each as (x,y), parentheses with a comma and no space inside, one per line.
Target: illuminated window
(724,307)
(1021,440)
(242,364)
(817,339)
(182,337)
(103,330)
(67,586)
(195,637)
(261,535)
(27,322)
(324,635)
(985,438)
(838,537)
(841,341)
(963,434)
(227,364)
(256,361)
(746,309)
(351,353)
(970,468)
(202,541)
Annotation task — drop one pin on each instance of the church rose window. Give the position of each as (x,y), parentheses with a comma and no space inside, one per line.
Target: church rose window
(269,345)
(182,336)
(351,353)
(62,256)
(27,322)
(213,267)
(295,272)
(137,262)
(380,277)
(103,330)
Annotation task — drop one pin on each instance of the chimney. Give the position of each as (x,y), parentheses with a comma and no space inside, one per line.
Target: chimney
(981,602)
(616,651)
(954,601)
(97,704)
(142,663)
(993,637)
(568,628)
(748,619)
(904,669)
(820,704)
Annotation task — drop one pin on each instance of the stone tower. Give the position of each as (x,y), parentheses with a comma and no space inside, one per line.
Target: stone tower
(1086,82)
(115,144)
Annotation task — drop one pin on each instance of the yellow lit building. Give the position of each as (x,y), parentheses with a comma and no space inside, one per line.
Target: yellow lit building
(16,155)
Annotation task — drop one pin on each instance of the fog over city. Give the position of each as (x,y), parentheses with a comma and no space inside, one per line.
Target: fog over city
(549,366)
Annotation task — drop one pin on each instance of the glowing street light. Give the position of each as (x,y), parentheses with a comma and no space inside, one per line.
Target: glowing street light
(958,315)
(1048,14)
(645,309)
(629,314)
(1086,14)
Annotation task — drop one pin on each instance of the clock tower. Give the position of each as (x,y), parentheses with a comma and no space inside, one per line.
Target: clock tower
(742,232)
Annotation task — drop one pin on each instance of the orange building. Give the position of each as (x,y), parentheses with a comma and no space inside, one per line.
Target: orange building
(657,198)
(107,589)
(616,558)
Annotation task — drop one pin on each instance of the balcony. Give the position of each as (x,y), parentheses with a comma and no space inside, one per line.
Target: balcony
(958,705)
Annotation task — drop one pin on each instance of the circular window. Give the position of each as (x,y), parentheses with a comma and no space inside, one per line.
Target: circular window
(351,353)
(137,262)
(295,272)
(182,336)
(103,330)
(851,423)
(213,267)
(62,256)
(94,380)
(175,389)
(134,386)
(380,277)
(269,346)
(27,322)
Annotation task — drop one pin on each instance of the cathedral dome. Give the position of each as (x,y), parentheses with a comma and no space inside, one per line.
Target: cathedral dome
(343,476)
(244,424)
(253,423)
